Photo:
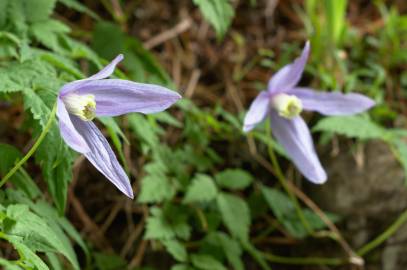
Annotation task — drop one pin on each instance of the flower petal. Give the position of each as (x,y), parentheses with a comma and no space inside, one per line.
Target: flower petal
(107,70)
(116,97)
(102,74)
(294,136)
(258,111)
(333,103)
(289,75)
(102,156)
(68,131)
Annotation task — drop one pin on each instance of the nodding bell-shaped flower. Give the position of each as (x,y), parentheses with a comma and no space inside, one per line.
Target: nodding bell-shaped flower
(283,102)
(79,102)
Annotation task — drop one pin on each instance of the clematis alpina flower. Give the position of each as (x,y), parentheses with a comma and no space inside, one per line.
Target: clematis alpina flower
(283,102)
(79,102)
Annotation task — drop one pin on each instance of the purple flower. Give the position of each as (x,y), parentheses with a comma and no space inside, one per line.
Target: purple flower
(80,101)
(283,102)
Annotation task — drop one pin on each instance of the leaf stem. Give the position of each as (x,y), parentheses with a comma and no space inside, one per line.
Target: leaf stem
(33,148)
(384,235)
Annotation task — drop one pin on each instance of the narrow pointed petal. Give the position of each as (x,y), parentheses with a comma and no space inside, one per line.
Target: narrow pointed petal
(257,112)
(295,137)
(68,131)
(289,76)
(102,156)
(107,70)
(333,103)
(102,74)
(116,97)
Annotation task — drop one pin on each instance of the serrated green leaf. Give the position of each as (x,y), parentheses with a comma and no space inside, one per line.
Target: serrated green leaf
(27,254)
(351,126)
(230,247)
(142,128)
(201,189)
(156,188)
(157,226)
(38,10)
(74,4)
(37,234)
(219,13)
(234,179)
(176,249)
(235,215)
(206,262)
(47,33)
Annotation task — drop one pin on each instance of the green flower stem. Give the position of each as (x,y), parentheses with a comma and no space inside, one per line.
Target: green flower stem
(33,148)
(258,256)
(402,219)
(304,260)
(281,178)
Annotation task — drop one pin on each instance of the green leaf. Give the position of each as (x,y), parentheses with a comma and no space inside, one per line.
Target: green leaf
(235,215)
(284,210)
(37,234)
(27,254)
(48,32)
(351,126)
(109,262)
(219,13)
(400,148)
(206,262)
(38,10)
(182,267)
(55,159)
(74,4)
(143,129)
(156,187)
(234,179)
(157,226)
(231,248)
(176,249)
(201,189)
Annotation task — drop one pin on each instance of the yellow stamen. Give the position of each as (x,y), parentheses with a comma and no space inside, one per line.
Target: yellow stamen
(287,106)
(82,106)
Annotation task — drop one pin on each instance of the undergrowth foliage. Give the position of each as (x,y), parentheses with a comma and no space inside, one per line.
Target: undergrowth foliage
(201,207)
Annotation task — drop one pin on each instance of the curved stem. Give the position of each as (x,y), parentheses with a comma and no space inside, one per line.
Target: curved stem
(258,256)
(304,260)
(33,148)
(384,235)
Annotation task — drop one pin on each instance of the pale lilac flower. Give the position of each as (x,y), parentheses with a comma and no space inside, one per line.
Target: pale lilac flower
(80,101)
(283,102)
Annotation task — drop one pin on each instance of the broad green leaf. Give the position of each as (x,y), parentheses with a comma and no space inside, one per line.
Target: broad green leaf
(234,179)
(235,215)
(48,32)
(230,247)
(176,249)
(201,189)
(351,126)
(284,210)
(206,262)
(219,13)
(143,129)
(157,226)
(27,254)
(182,267)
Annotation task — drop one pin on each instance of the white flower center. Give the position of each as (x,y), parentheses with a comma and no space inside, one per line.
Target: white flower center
(82,106)
(287,106)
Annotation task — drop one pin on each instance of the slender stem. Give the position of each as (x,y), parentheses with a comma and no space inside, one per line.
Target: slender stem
(304,260)
(281,178)
(33,148)
(385,235)
(258,256)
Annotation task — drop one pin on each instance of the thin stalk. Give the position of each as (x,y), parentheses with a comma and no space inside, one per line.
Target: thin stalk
(384,235)
(281,178)
(304,260)
(258,256)
(33,148)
